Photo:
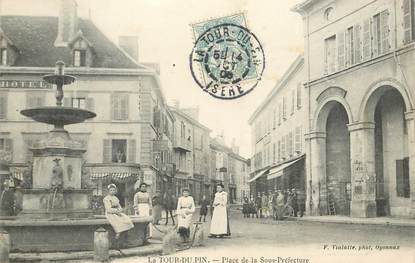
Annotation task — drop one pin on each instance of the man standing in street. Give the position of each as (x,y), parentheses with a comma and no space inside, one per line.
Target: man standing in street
(258,203)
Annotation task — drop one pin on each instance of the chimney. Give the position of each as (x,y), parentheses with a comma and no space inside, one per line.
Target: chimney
(130,45)
(192,112)
(176,104)
(68,22)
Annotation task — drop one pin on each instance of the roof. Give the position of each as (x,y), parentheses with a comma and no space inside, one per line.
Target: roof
(297,64)
(303,5)
(188,118)
(34,37)
(214,144)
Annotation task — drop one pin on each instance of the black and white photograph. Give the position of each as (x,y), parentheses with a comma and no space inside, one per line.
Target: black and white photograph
(207,131)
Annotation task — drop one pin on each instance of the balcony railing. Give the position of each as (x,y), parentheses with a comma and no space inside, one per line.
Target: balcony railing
(182,144)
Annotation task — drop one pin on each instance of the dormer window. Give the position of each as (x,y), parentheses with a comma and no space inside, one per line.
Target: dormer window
(3,56)
(82,51)
(79,58)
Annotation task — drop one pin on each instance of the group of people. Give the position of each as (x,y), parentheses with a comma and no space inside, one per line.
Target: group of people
(144,206)
(275,205)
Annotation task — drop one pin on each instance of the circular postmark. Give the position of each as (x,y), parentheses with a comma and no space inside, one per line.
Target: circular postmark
(227,61)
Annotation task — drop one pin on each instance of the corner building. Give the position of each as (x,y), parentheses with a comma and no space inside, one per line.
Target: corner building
(359,59)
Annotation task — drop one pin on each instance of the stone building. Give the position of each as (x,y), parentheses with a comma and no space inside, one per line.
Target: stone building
(122,92)
(191,151)
(278,126)
(359,59)
(228,168)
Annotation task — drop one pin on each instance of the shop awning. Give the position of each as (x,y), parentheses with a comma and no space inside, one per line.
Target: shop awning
(258,175)
(278,171)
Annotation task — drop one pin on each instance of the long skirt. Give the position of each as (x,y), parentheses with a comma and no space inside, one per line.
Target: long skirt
(120,222)
(219,224)
(157,213)
(144,211)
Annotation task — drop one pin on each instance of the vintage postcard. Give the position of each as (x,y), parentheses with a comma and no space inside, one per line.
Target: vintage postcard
(220,131)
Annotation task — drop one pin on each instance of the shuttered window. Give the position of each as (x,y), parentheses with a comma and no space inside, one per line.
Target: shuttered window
(290,144)
(350,46)
(367,53)
(330,55)
(408,19)
(357,43)
(402,178)
(340,51)
(299,89)
(376,46)
(107,151)
(119,106)
(3,106)
(384,31)
(35,99)
(7,146)
(298,139)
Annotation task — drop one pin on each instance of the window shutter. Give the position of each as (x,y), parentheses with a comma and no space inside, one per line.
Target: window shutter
(29,154)
(299,87)
(375,35)
(326,56)
(400,178)
(89,104)
(67,102)
(114,106)
(384,29)
(124,107)
(8,146)
(358,43)
(131,151)
(3,106)
(107,151)
(340,50)
(407,21)
(366,40)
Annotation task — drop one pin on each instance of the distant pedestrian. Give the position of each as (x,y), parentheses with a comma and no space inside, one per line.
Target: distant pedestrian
(269,204)
(264,203)
(245,208)
(289,203)
(258,203)
(301,202)
(280,205)
(294,201)
(252,208)
(169,202)
(203,208)
(6,200)
(274,205)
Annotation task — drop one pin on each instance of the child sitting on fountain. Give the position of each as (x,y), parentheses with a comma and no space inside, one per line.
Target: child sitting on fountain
(113,211)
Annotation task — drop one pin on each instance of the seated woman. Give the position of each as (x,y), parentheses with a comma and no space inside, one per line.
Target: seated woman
(119,221)
(185,210)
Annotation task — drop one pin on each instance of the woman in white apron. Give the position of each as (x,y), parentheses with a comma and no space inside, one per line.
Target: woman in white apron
(219,225)
(143,205)
(185,210)
(119,221)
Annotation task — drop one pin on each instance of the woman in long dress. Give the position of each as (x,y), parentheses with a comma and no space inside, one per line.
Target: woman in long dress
(119,221)
(219,225)
(185,210)
(143,204)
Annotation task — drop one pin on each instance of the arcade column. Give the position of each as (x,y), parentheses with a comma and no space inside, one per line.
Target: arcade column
(362,157)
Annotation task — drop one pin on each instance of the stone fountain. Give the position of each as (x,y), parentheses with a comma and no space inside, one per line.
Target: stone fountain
(56,213)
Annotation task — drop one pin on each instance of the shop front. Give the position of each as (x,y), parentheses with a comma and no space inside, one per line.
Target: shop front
(258,183)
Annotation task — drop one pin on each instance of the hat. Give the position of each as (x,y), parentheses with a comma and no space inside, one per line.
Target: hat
(142,185)
(185,189)
(111,186)
(221,185)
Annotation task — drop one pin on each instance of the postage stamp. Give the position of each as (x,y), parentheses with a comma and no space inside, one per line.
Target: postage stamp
(227,60)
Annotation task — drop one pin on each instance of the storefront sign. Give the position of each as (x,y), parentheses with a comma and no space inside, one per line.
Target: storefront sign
(24,84)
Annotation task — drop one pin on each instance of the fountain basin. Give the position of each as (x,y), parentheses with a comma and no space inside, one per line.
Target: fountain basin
(59,116)
(68,235)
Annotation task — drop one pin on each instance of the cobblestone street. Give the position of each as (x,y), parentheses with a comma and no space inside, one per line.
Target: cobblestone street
(300,239)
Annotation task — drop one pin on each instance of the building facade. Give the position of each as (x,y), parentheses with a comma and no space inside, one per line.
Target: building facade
(110,82)
(278,126)
(228,168)
(359,58)
(191,151)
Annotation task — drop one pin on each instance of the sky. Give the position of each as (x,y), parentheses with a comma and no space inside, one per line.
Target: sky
(165,37)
